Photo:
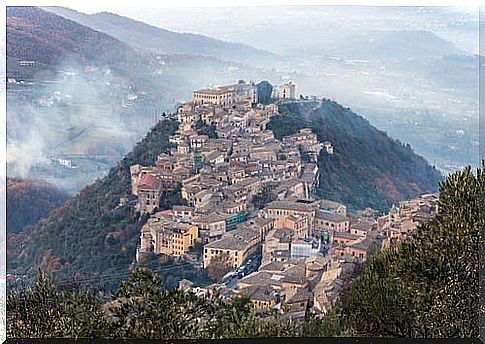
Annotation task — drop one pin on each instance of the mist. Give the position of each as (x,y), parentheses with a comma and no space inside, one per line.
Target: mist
(69,114)
(411,71)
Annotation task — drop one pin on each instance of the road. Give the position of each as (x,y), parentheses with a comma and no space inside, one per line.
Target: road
(250,265)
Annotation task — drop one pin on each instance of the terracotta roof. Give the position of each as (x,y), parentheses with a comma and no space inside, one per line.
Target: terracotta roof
(149,181)
(363,226)
(296,206)
(259,292)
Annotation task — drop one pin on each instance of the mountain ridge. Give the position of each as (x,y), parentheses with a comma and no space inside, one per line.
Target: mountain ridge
(35,34)
(147,37)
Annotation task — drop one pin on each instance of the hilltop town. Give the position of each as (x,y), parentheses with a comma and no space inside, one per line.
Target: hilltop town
(251,216)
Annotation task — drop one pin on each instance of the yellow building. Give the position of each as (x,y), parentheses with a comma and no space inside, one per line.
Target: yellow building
(173,239)
(183,239)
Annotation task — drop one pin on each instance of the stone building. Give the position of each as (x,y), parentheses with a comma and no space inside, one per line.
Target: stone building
(286,91)
(238,244)
(162,236)
(219,96)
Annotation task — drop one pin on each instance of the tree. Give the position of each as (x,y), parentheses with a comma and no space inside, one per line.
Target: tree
(50,262)
(206,129)
(42,311)
(219,266)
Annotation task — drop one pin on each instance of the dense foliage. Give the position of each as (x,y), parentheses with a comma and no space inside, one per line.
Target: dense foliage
(28,201)
(204,129)
(139,308)
(387,170)
(92,233)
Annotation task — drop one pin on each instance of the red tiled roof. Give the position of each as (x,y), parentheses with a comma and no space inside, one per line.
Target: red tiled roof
(149,181)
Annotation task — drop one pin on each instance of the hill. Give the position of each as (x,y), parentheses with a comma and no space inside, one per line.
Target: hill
(367,169)
(38,35)
(90,94)
(142,36)
(28,201)
(91,233)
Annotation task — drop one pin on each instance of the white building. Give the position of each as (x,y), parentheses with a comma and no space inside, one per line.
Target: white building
(304,248)
(286,91)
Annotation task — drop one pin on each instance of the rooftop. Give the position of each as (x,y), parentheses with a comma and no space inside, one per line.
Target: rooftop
(328,204)
(149,181)
(260,293)
(327,216)
(234,240)
(297,206)
(346,235)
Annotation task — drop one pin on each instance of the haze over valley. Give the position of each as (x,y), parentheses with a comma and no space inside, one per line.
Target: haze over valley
(411,72)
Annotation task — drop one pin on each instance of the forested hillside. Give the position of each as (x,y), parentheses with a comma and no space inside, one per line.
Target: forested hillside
(367,169)
(91,233)
(35,34)
(28,201)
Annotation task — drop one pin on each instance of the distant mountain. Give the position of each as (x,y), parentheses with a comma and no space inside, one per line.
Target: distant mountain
(150,38)
(368,168)
(35,34)
(28,201)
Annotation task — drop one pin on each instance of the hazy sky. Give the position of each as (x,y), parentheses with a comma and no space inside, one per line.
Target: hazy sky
(92,6)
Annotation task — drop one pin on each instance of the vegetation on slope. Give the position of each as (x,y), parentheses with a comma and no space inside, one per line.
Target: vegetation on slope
(91,233)
(367,169)
(28,201)
(425,287)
